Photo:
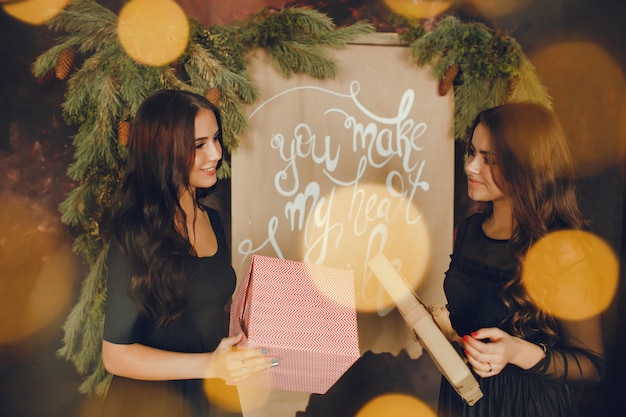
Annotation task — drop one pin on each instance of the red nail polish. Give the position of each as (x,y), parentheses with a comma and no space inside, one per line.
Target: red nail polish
(474,334)
(465,338)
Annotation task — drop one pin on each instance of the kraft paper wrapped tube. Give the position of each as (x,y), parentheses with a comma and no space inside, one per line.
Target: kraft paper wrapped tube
(415,314)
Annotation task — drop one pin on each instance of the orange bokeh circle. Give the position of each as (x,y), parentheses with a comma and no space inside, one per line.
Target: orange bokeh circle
(35,12)
(571,274)
(153,32)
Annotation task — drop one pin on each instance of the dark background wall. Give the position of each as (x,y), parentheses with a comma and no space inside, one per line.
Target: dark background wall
(576,46)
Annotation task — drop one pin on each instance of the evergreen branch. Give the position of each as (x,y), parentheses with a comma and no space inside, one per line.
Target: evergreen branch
(235,88)
(87,18)
(86,43)
(234,120)
(87,243)
(270,26)
(340,37)
(93,149)
(95,143)
(225,44)
(82,332)
(469,99)
(486,60)
(80,98)
(291,57)
(170,81)
(196,81)
(135,83)
(72,208)
(97,382)
(304,20)
(48,60)
(526,86)
(498,92)
(241,84)
(295,38)
(225,170)
(205,70)
(205,65)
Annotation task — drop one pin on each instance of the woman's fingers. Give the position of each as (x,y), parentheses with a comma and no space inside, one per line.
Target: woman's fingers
(244,362)
(484,357)
(244,367)
(230,342)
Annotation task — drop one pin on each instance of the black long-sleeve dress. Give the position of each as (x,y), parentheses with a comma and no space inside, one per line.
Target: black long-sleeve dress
(479,268)
(200,329)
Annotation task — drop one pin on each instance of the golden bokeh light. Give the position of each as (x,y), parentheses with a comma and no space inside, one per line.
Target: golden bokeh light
(396,405)
(234,399)
(224,396)
(358,224)
(592,114)
(153,32)
(571,274)
(37,270)
(418,9)
(35,12)
(499,8)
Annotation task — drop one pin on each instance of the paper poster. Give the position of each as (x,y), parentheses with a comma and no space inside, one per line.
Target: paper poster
(334,172)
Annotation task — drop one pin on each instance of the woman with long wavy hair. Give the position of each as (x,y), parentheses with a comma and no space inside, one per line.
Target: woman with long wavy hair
(170,279)
(520,172)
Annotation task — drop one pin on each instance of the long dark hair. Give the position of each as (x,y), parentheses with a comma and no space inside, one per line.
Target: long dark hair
(535,171)
(161,152)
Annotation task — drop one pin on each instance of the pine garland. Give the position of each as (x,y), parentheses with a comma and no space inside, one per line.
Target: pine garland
(104,92)
(492,68)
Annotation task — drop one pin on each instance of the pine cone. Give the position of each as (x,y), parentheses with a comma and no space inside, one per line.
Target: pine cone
(123,132)
(64,63)
(448,78)
(213,95)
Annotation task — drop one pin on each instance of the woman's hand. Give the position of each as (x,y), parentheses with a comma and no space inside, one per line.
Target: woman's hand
(234,364)
(489,350)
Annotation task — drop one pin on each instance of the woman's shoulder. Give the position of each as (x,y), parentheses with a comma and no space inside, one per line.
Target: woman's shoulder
(212,212)
(215,217)
(474,220)
(478,216)
(470,226)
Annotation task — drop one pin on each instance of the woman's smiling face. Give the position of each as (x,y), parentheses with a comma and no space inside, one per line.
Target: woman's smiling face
(208,151)
(479,168)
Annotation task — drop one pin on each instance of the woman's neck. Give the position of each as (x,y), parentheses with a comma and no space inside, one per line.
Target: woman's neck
(500,224)
(188,205)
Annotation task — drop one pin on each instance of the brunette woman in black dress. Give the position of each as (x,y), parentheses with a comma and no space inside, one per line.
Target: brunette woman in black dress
(520,172)
(170,277)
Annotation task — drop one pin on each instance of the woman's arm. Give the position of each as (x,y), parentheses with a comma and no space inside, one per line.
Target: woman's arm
(138,361)
(227,362)
(579,355)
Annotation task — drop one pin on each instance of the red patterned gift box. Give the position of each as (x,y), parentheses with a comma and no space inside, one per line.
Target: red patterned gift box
(305,315)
